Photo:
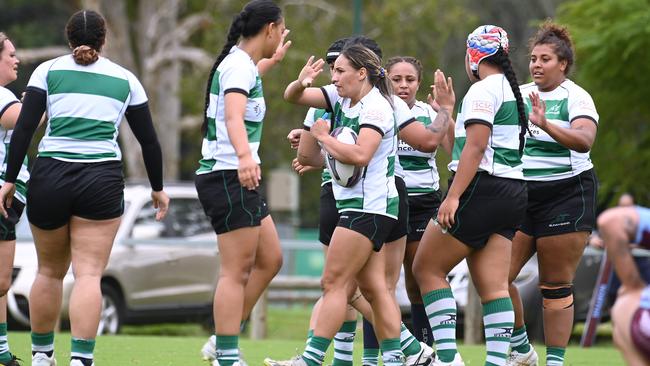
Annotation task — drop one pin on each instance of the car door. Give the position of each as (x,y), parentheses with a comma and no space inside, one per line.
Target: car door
(172,263)
(193,253)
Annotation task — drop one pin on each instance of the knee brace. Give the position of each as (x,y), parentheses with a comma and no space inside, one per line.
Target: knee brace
(556,297)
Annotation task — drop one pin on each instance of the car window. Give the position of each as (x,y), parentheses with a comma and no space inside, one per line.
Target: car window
(185,218)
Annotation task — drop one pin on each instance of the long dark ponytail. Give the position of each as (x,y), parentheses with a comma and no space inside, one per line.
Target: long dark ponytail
(501,59)
(249,22)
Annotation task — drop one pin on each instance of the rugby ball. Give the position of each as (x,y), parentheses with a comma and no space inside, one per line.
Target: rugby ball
(345,175)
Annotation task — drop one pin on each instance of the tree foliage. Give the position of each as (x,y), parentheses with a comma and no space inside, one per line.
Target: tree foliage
(612,41)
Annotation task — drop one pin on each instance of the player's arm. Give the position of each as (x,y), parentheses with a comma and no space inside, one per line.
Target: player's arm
(266,64)
(617,226)
(309,152)
(358,154)
(427,139)
(300,90)
(580,137)
(9,116)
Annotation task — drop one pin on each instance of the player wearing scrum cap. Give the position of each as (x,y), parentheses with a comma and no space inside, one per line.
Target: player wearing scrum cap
(484,203)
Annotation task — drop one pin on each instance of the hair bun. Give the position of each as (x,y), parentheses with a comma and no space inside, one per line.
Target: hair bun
(244,15)
(85,55)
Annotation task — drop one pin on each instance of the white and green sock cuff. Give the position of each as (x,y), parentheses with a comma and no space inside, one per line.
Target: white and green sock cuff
(370,357)
(227,349)
(4,343)
(498,318)
(519,341)
(315,351)
(555,356)
(391,352)
(43,342)
(82,348)
(344,344)
(440,307)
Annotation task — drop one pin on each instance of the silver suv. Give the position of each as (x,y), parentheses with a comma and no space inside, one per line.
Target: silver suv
(158,271)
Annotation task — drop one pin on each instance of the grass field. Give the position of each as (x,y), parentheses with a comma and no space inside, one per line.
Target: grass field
(167,345)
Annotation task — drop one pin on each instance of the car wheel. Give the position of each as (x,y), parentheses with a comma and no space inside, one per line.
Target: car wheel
(112,315)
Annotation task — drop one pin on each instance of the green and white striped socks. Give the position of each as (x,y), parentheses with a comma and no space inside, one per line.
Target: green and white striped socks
(440,307)
(391,352)
(519,341)
(408,343)
(315,351)
(555,356)
(344,344)
(499,319)
(370,357)
(82,350)
(5,355)
(43,343)
(227,349)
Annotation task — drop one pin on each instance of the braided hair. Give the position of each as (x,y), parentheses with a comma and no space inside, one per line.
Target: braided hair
(86,32)
(248,23)
(408,59)
(501,60)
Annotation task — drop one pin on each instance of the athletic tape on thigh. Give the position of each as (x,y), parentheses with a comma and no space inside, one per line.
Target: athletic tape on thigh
(557,297)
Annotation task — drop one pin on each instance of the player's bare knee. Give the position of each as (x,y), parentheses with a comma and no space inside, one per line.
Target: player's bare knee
(332,281)
(369,291)
(271,265)
(557,296)
(424,273)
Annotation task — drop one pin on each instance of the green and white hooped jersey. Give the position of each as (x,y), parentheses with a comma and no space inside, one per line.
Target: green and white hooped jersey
(492,102)
(545,159)
(420,170)
(7,99)
(236,73)
(375,193)
(403,117)
(85,106)
(313,114)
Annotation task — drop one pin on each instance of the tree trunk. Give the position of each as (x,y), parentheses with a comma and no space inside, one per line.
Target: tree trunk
(162,81)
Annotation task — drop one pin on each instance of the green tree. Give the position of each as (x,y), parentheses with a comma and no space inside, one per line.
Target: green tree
(408,27)
(612,41)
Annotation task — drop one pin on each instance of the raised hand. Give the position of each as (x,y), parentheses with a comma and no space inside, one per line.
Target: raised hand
(281,51)
(443,91)
(537,115)
(310,71)
(432,102)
